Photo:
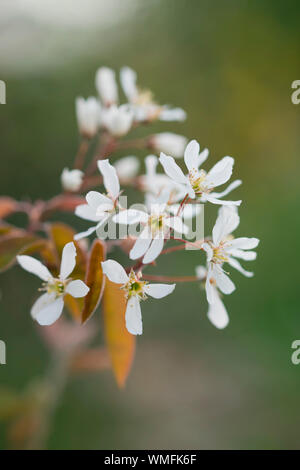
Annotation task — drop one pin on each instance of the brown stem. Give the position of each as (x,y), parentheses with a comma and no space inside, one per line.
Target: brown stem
(81,153)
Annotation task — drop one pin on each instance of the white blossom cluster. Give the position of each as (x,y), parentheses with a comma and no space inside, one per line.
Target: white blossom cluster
(166,195)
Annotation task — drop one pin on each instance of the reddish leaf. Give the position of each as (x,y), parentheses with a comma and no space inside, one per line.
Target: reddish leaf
(120,343)
(7,206)
(12,245)
(94,280)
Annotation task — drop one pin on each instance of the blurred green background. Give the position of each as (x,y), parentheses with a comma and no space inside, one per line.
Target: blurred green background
(230,65)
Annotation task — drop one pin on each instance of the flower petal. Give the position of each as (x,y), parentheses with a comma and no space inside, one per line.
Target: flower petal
(231,187)
(176,224)
(202,157)
(110,178)
(141,245)
(50,312)
(223,281)
(217,312)
(96,199)
(34,266)
(114,271)
(209,251)
(245,255)
(77,288)
(68,260)
(128,79)
(154,250)
(130,216)
(158,291)
(42,302)
(220,202)
(172,169)
(133,316)
(85,234)
(227,221)
(191,155)
(86,212)
(244,243)
(220,172)
(235,264)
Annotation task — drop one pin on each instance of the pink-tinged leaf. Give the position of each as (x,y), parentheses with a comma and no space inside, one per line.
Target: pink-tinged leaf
(7,206)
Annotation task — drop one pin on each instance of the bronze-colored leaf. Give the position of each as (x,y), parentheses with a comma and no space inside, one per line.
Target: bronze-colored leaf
(91,360)
(12,245)
(94,280)
(61,234)
(120,343)
(7,206)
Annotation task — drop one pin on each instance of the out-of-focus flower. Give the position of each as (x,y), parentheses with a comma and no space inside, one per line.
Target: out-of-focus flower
(169,143)
(117,119)
(99,206)
(156,225)
(127,167)
(71,180)
(217,313)
(88,116)
(143,104)
(224,248)
(49,306)
(135,290)
(198,183)
(106,86)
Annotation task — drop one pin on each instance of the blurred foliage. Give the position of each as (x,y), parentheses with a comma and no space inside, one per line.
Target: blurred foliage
(230,65)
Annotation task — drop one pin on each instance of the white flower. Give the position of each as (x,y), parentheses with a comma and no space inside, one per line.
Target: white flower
(88,115)
(154,183)
(224,248)
(99,206)
(127,167)
(145,108)
(217,313)
(49,306)
(107,86)
(198,183)
(169,143)
(156,225)
(135,290)
(71,180)
(117,120)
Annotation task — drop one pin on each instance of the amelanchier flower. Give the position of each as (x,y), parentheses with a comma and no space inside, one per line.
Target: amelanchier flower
(199,184)
(107,86)
(168,142)
(143,104)
(71,180)
(49,306)
(156,225)
(217,313)
(100,206)
(135,290)
(224,248)
(127,168)
(88,116)
(117,119)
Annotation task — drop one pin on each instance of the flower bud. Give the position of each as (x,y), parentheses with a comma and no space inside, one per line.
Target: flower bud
(88,115)
(127,167)
(169,143)
(117,120)
(107,86)
(71,180)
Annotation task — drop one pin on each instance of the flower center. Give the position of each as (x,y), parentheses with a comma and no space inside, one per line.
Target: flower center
(197,180)
(219,254)
(156,223)
(134,287)
(56,286)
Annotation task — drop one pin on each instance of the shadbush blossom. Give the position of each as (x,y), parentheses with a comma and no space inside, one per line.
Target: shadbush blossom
(49,306)
(170,197)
